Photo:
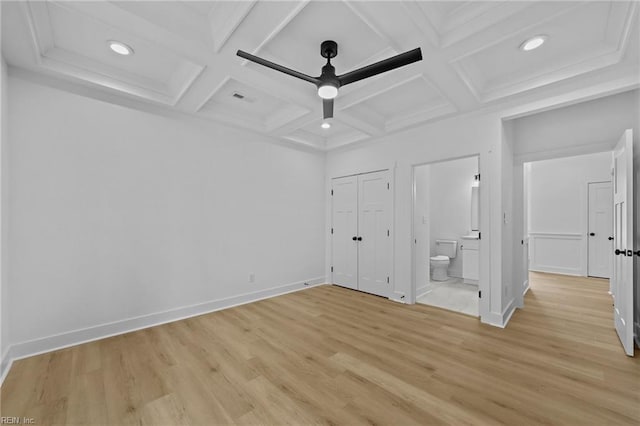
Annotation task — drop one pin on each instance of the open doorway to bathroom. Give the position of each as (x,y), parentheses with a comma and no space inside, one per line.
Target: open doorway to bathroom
(446,230)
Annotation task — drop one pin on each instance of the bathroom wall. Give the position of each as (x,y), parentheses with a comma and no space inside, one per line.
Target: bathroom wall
(450,204)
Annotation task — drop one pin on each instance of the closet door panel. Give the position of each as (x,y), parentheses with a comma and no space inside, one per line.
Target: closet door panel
(345,227)
(374,250)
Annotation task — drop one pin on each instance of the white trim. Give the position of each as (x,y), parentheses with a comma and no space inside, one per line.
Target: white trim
(90,334)
(5,364)
(500,320)
(508,313)
(535,265)
(421,291)
(555,270)
(566,235)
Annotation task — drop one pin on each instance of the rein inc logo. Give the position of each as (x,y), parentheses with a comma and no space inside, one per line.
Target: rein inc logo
(5,420)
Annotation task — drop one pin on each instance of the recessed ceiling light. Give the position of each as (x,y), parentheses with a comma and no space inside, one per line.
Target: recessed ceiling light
(325,125)
(533,43)
(120,48)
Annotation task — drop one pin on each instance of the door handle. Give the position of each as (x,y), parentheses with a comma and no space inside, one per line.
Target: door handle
(359,238)
(610,238)
(630,253)
(592,234)
(620,252)
(354,238)
(637,253)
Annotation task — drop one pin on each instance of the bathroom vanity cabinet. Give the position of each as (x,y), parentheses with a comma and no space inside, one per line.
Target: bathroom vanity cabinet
(470,259)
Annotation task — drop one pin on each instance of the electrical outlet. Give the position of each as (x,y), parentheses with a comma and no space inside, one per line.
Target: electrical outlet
(306,283)
(252,277)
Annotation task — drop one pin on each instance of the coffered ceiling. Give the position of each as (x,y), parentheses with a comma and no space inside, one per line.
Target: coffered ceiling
(184,56)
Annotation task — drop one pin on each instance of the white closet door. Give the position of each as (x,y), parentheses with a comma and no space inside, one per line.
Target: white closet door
(374,215)
(345,228)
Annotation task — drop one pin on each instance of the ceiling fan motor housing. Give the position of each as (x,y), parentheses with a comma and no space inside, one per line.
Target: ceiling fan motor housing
(329,49)
(328,77)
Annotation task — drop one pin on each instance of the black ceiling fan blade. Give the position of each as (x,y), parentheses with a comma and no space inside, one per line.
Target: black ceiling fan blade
(327,108)
(277,67)
(385,65)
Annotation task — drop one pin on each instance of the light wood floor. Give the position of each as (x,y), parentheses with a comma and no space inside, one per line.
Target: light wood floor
(328,355)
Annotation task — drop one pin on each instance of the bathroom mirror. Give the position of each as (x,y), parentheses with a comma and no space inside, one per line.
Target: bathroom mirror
(474,209)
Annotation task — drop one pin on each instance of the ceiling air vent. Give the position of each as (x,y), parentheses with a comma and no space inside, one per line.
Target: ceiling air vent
(242,97)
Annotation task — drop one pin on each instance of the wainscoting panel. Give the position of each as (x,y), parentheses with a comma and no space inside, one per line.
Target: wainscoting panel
(558,253)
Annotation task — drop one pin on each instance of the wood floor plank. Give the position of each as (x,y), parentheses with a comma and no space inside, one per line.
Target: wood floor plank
(330,355)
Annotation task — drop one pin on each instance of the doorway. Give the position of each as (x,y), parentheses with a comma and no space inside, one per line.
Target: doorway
(568,215)
(568,203)
(447,235)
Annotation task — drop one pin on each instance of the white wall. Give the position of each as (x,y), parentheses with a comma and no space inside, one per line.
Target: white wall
(118,214)
(573,130)
(558,203)
(4,194)
(442,140)
(450,204)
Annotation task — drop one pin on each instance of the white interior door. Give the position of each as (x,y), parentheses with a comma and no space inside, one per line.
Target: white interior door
(600,244)
(374,236)
(345,228)
(623,240)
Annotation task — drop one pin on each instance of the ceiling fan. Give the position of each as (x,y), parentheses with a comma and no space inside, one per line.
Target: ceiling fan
(328,83)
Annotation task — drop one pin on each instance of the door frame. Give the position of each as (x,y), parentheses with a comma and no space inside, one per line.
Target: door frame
(521,268)
(483,281)
(392,173)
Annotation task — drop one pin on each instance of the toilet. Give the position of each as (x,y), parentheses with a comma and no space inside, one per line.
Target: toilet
(445,251)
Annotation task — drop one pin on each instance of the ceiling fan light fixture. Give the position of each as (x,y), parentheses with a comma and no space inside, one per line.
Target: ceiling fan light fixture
(120,48)
(327,91)
(533,43)
(328,82)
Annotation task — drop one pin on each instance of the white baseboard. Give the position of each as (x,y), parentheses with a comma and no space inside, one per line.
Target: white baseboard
(526,288)
(508,313)
(398,296)
(500,319)
(421,291)
(75,337)
(5,364)
(557,270)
